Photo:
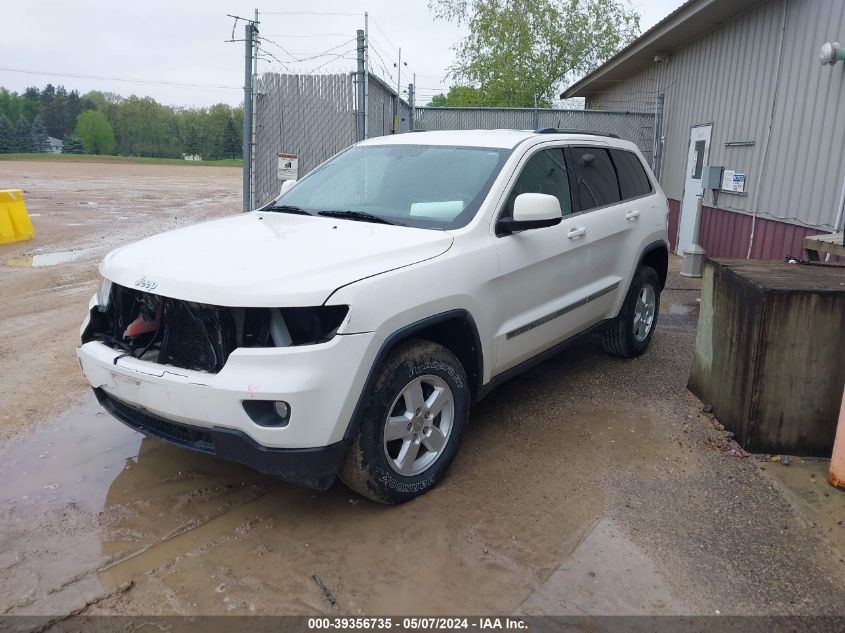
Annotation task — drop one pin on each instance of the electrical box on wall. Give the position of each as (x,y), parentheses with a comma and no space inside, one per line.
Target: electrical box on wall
(711,177)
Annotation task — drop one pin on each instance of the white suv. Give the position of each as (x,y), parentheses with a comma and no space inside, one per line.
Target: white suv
(345,328)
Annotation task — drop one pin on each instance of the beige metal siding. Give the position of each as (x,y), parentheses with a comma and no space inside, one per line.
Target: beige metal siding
(729,77)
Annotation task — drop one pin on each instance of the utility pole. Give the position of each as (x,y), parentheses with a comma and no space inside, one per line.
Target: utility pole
(362,98)
(254,131)
(366,75)
(657,143)
(395,126)
(249,31)
(412,124)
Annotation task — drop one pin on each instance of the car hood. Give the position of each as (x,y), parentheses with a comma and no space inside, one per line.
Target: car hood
(268,259)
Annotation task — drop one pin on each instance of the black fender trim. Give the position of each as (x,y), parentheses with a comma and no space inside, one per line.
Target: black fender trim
(650,248)
(401,334)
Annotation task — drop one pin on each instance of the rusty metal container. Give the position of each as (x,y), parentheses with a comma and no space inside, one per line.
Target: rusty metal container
(770,353)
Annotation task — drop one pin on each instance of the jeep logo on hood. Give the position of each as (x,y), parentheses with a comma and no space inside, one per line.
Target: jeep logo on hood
(146,284)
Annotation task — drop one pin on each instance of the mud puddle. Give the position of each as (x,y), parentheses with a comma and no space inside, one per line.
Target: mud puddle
(679,316)
(50,259)
(91,508)
(804,483)
(69,512)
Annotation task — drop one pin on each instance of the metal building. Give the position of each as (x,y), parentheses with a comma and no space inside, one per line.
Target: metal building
(740,86)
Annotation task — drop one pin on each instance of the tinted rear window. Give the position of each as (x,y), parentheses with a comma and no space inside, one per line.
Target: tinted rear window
(633,180)
(595,178)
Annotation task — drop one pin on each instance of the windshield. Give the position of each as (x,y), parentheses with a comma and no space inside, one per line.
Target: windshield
(425,186)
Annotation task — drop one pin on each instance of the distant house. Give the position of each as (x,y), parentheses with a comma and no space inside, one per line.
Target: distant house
(56,145)
(741,87)
(196,157)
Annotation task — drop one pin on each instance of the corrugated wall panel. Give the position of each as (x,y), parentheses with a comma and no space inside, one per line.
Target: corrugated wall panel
(673,220)
(726,234)
(728,78)
(637,127)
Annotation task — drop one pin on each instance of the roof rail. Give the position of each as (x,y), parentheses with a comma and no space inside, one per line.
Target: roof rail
(554,130)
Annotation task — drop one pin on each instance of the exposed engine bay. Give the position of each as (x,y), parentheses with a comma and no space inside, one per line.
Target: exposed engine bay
(199,336)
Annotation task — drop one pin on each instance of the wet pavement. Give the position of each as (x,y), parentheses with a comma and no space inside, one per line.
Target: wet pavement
(588,485)
(585,486)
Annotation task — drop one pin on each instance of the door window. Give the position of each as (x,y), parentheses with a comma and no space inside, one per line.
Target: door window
(545,172)
(595,177)
(698,161)
(633,181)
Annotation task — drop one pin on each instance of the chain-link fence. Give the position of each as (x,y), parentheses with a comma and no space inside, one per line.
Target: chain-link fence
(312,116)
(315,116)
(381,98)
(637,127)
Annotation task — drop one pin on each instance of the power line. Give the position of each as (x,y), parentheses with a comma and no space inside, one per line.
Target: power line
(307,35)
(380,59)
(325,53)
(273,57)
(335,58)
(311,13)
(123,79)
(376,24)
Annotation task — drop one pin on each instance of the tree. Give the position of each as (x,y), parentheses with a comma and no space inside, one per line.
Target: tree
(38,133)
(144,127)
(95,132)
(519,52)
(7,135)
(23,135)
(230,145)
(105,102)
(461,97)
(72,145)
(11,104)
(192,142)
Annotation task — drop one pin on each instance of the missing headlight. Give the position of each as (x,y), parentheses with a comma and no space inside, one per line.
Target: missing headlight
(308,326)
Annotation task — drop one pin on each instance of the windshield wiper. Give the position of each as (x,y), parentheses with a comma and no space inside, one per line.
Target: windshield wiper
(288,208)
(363,216)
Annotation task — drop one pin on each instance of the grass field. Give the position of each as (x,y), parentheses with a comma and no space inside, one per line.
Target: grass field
(94,158)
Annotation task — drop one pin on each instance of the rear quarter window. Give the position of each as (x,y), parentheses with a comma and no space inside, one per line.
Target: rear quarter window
(633,180)
(595,177)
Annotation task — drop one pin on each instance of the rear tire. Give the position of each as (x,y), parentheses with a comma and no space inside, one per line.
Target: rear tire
(630,333)
(411,426)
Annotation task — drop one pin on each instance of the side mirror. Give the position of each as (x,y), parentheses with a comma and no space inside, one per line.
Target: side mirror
(287,184)
(531,211)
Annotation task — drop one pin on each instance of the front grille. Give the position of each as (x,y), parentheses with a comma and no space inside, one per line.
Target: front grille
(191,437)
(192,339)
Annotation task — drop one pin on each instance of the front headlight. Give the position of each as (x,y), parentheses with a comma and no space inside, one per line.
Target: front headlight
(104,295)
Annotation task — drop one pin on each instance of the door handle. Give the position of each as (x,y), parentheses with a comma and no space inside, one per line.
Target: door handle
(578,231)
(632,215)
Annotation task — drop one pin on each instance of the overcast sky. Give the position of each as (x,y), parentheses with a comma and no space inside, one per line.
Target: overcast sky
(180,49)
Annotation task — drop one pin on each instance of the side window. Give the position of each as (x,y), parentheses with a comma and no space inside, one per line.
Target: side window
(545,172)
(595,177)
(633,180)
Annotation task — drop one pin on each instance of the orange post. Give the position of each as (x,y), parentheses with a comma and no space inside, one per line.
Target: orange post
(836,474)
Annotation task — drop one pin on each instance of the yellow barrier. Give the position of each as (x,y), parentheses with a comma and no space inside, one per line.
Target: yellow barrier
(15,224)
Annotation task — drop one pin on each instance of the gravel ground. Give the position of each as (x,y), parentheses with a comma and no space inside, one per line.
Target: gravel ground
(588,485)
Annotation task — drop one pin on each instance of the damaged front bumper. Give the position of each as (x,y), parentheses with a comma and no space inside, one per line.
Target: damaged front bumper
(205,412)
(311,467)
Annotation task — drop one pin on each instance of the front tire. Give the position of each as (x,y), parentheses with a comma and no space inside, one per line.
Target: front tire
(630,333)
(412,423)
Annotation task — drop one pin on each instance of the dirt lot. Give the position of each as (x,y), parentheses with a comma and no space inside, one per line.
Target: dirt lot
(588,485)
(80,212)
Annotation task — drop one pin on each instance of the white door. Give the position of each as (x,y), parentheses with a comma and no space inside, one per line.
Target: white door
(543,272)
(699,149)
